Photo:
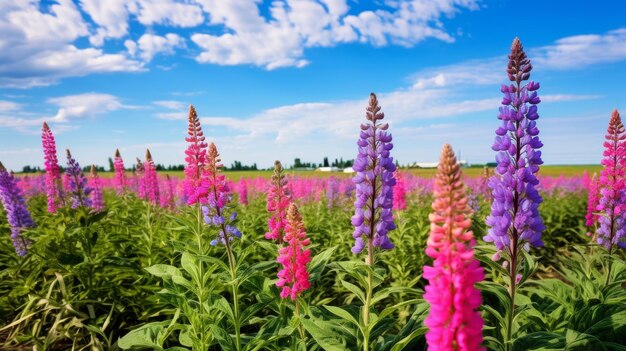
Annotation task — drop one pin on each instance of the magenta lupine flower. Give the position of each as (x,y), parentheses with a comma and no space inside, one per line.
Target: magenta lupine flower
(591,218)
(140,180)
(167,193)
(293,278)
(151,181)
(214,194)
(95,183)
(120,175)
(612,205)
(515,220)
(196,157)
(78,187)
(399,193)
(374,183)
(242,189)
(54,191)
(278,201)
(453,321)
(17,213)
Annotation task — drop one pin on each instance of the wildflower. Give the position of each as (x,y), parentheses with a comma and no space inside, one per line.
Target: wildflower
(374,181)
(214,194)
(196,156)
(17,213)
(151,181)
(591,218)
(515,220)
(294,277)
(454,322)
(140,181)
(167,193)
(399,193)
(120,176)
(77,183)
(54,191)
(95,183)
(613,187)
(242,188)
(278,201)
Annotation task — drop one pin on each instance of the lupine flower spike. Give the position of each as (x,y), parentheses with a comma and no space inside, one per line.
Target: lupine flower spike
(293,278)
(120,176)
(196,157)
(399,193)
(151,181)
(77,183)
(17,213)
(277,202)
(97,201)
(612,205)
(374,181)
(453,322)
(515,223)
(140,179)
(591,218)
(54,190)
(214,194)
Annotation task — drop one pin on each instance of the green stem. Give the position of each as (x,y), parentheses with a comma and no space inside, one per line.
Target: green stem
(231,262)
(608,270)
(512,291)
(300,327)
(369,260)
(201,292)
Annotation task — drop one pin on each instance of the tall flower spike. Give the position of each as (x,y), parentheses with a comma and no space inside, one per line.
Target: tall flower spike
(515,220)
(374,181)
(196,156)
(54,190)
(278,201)
(140,180)
(120,176)
(95,183)
(17,213)
(612,205)
(214,194)
(399,193)
(77,183)
(294,277)
(591,218)
(454,322)
(151,181)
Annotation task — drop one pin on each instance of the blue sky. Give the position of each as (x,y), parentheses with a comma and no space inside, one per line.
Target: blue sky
(285,79)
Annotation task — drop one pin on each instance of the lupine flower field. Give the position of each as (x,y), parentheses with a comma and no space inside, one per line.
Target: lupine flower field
(381,259)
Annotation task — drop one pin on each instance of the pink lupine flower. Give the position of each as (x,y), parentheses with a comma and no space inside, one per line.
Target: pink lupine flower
(196,157)
(592,204)
(167,193)
(95,183)
(242,189)
(399,193)
(54,191)
(277,202)
(612,204)
(294,277)
(151,181)
(120,176)
(454,322)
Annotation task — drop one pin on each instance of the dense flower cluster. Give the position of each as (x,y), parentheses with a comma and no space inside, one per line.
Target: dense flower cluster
(214,194)
(17,213)
(454,322)
(593,192)
(515,220)
(374,181)
(120,176)
(612,204)
(78,188)
(399,193)
(151,181)
(54,191)
(242,190)
(95,183)
(196,157)
(140,180)
(166,196)
(294,277)
(278,201)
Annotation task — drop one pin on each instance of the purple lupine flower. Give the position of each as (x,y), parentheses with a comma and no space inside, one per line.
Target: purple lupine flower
(514,220)
(18,216)
(77,183)
(54,190)
(374,181)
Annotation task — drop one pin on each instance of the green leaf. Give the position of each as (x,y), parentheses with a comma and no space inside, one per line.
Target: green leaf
(326,337)
(355,290)
(345,315)
(164,271)
(144,336)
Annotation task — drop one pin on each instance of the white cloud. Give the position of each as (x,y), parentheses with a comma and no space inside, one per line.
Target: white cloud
(171,104)
(7,106)
(150,45)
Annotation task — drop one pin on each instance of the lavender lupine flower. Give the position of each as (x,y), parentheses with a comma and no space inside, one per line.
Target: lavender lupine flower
(54,189)
(374,181)
(515,221)
(14,204)
(77,183)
